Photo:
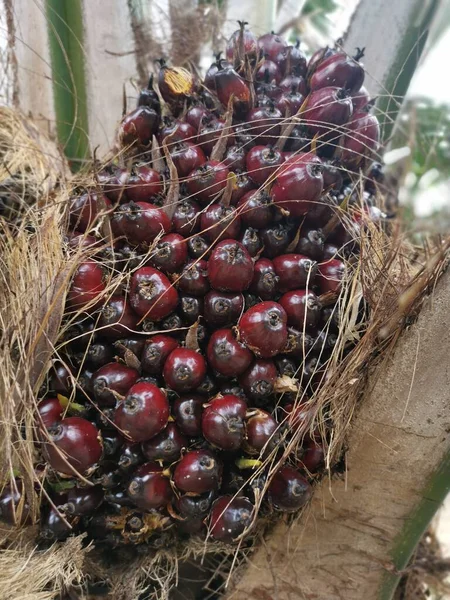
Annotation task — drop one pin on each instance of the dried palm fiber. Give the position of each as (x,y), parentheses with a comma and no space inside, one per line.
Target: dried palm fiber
(36,268)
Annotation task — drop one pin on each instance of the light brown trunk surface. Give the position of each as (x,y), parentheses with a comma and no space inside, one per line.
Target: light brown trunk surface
(339,548)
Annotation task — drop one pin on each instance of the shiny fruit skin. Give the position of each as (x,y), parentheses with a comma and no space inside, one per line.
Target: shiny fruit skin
(86,209)
(179,131)
(230,267)
(360,141)
(184,370)
(198,472)
(82,501)
(220,222)
(312,456)
(151,294)
(294,271)
(170,253)
(155,353)
(196,115)
(149,487)
(251,241)
(143,413)
(275,239)
(140,223)
(166,446)
(50,412)
(192,507)
(117,319)
(112,377)
(256,209)
(261,430)
(241,41)
(222,309)
(235,158)
(259,380)
(87,285)
(209,134)
(325,109)
(208,180)
(223,422)
(302,308)
(230,517)
(268,71)
(271,45)
(311,243)
(293,57)
(229,83)
(242,184)
(187,412)
(338,70)
(265,279)
(138,127)
(265,124)
(13,509)
(330,275)
(143,184)
(191,309)
(289,103)
(262,162)
(263,329)
(78,440)
(289,490)
(360,99)
(193,280)
(226,355)
(187,157)
(185,219)
(53,527)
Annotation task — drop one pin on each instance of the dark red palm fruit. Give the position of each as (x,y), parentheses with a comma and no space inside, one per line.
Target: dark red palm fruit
(166,446)
(330,275)
(230,517)
(184,370)
(275,239)
(268,70)
(138,127)
(244,136)
(87,285)
(193,280)
(229,83)
(251,241)
(130,456)
(360,99)
(311,242)
(298,185)
(317,58)
(207,181)
(223,422)
(117,318)
(302,308)
(143,184)
(241,185)
(196,115)
(220,222)
(289,490)
(185,219)
(294,82)
(156,350)
(53,527)
(187,412)
(263,329)
(175,84)
(209,80)
(151,294)
(191,309)
(82,501)
(230,267)
(173,324)
(286,366)
(86,209)
(198,472)
(132,344)
(148,97)
(80,241)
(298,140)
(374,177)
(332,176)
(199,247)
(339,70)
(112,379)
(85,382)
(259,380)
(235,157)
(265,279)
(325,109)
(261,430)
(50,412)
(271,45)
(265,124)
(262,162)
(360,141)
(242,43)
(289,103)
(226,355)
(170,253)
(73,442)
(210,132)
(292,57)
(186,157)
(191,527)
(112,443)
(140,223)
(262,99)
(150,487)
(143,413)
(14,509)
(312,456)
(112,179)
(294,271)
(179,131)
(192,507)
(222,309)
(323,343)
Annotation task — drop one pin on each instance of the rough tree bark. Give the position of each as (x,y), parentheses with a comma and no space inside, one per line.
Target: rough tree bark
(360,529)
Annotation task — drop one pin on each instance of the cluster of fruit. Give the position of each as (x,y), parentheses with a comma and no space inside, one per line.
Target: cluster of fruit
(204,328)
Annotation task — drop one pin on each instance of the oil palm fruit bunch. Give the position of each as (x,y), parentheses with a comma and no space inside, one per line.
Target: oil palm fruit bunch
(199,329)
